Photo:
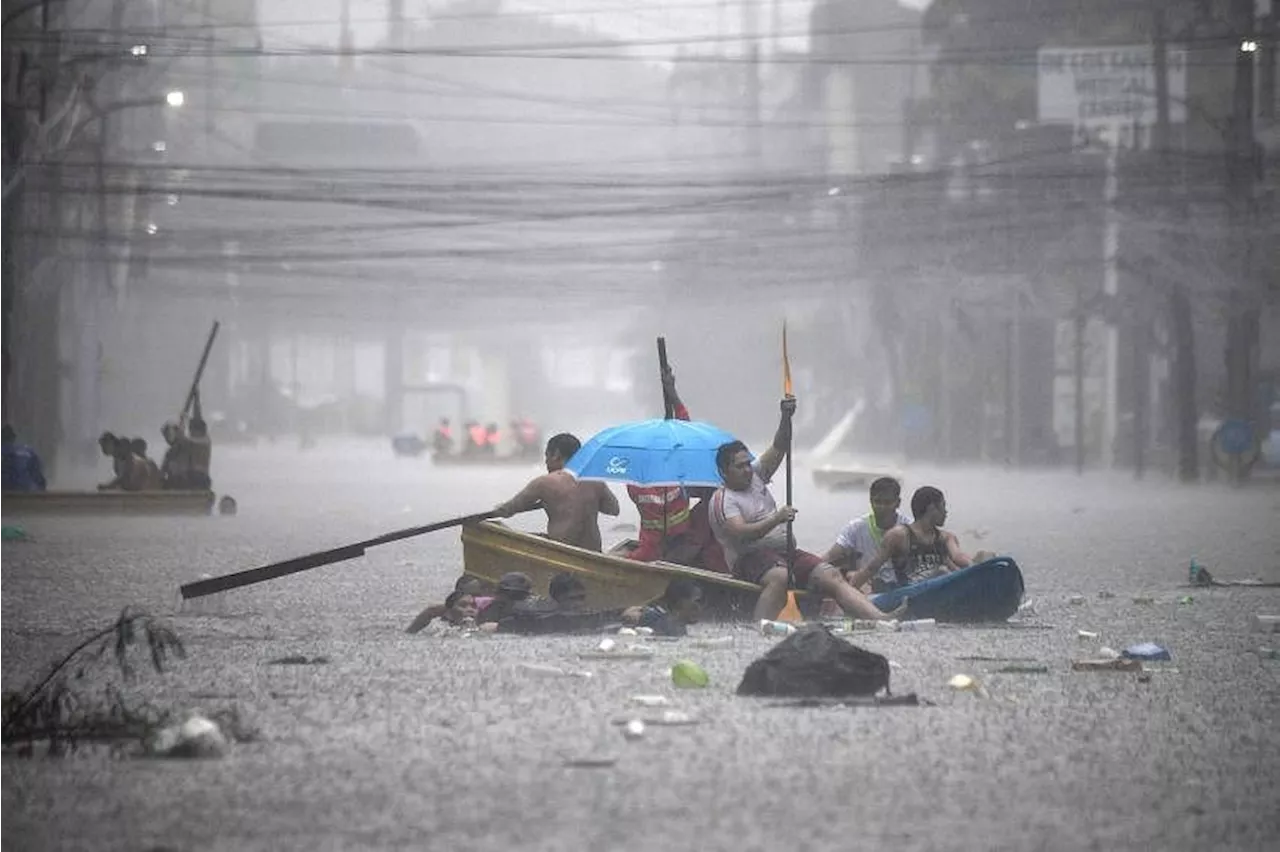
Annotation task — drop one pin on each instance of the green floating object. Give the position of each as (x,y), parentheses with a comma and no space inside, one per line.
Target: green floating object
(1186,599)
(689,675)
(15,534)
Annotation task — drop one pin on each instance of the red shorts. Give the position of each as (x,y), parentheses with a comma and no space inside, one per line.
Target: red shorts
(752,566)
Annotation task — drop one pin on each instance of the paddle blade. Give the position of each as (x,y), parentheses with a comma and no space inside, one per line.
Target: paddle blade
(213,585)
(787,389)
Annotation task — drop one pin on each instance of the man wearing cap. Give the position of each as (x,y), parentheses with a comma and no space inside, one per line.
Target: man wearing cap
(571,505)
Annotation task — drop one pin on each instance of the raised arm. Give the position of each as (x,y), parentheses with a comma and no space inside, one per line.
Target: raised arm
(669,386)
(771,459)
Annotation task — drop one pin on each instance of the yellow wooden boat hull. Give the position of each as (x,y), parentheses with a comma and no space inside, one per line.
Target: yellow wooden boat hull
(108,502)
(491,549)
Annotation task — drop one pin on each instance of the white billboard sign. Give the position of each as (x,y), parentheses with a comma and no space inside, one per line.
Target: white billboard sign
(1097,86)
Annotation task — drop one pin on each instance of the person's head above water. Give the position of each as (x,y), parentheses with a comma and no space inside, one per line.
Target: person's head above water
(515,585)
(568,591)
(138,446)
(733,460)
(683,600)
(471,584)
(560,448)
(459,607)
(929,504)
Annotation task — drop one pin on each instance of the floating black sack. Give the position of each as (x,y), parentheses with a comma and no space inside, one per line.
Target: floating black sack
(812,662)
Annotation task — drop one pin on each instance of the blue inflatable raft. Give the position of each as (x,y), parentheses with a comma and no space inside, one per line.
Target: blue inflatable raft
(988,591)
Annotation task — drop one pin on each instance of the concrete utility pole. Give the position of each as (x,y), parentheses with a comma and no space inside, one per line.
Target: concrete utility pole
(1243,165)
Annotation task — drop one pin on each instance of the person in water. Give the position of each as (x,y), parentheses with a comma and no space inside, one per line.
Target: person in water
(571,506)
(752,530)
(860,539)
(920,550)
(22,468)
(680,606)
(473,586)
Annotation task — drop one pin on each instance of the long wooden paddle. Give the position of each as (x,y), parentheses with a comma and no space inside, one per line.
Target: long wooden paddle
(667,405)
(195,381)
(275,570)
(787,391)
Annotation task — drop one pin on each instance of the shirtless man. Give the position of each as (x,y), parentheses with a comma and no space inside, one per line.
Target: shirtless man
(919,550)
(571,506)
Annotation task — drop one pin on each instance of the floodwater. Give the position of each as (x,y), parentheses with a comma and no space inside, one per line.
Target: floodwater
(417,742)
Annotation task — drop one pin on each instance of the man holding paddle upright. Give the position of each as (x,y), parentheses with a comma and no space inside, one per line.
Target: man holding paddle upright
(754,531)
(571,505)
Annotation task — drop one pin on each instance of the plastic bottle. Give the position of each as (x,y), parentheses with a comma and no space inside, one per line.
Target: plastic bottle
(1193,572)
(918,625)
(776,628)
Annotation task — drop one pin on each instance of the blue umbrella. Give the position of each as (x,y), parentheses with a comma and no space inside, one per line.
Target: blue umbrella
(653,452)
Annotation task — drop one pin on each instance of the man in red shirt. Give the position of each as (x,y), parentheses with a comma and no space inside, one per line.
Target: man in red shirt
(670,528)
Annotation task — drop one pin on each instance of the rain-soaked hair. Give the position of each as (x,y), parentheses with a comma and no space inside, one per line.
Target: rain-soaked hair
(455,596)
(726,452)
(886,486)
(564,584)
(564,445)
(681,589)
(470,584)
(107,439)
(924,498)
(138,446)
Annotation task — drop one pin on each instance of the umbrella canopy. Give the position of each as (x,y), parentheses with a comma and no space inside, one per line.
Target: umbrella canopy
(653,452)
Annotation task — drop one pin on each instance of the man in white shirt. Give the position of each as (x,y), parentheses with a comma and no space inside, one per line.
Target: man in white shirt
(752,530)
(858,542)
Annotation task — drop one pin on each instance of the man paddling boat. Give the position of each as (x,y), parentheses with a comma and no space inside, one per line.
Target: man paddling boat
(571,505)
(751,528)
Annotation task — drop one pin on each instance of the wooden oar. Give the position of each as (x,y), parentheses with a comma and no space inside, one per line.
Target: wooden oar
(275,570)
(195,381)
(788,391)
(668,406)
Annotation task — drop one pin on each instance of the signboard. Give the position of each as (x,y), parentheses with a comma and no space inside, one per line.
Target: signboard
(1098,86)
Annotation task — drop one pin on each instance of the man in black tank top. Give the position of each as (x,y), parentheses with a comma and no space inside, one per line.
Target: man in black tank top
(919,550)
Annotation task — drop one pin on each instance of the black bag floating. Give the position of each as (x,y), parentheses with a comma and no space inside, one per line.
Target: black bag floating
(813,663)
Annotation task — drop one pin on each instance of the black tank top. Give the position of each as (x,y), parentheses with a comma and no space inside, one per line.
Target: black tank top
(923,559)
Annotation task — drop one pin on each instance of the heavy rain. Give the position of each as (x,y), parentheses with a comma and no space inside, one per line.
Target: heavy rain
(623,424)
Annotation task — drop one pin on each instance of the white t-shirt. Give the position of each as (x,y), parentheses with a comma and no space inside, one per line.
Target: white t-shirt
(754,504)
(860,537)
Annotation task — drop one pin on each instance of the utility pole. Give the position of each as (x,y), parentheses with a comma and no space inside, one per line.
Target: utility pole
(1241,174)
(1078,376)
(1110,286)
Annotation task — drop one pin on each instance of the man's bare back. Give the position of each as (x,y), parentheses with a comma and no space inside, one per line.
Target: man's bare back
(571,507)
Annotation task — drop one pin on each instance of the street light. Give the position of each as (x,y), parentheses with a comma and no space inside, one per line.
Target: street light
(175,99)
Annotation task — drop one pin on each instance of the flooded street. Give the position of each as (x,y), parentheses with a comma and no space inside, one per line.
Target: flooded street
(417,742)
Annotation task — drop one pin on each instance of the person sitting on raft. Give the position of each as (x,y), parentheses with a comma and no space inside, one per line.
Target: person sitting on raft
(130,470)
(680,606)
(155,480)
(572,506)
(753,531)
(473,586)
(860,539)
(671,529)
(918,551)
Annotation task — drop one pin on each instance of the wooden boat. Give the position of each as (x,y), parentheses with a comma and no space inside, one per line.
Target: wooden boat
(491,549)
(108,502)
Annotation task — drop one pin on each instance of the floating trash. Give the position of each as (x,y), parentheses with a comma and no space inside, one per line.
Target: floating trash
(689,675)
